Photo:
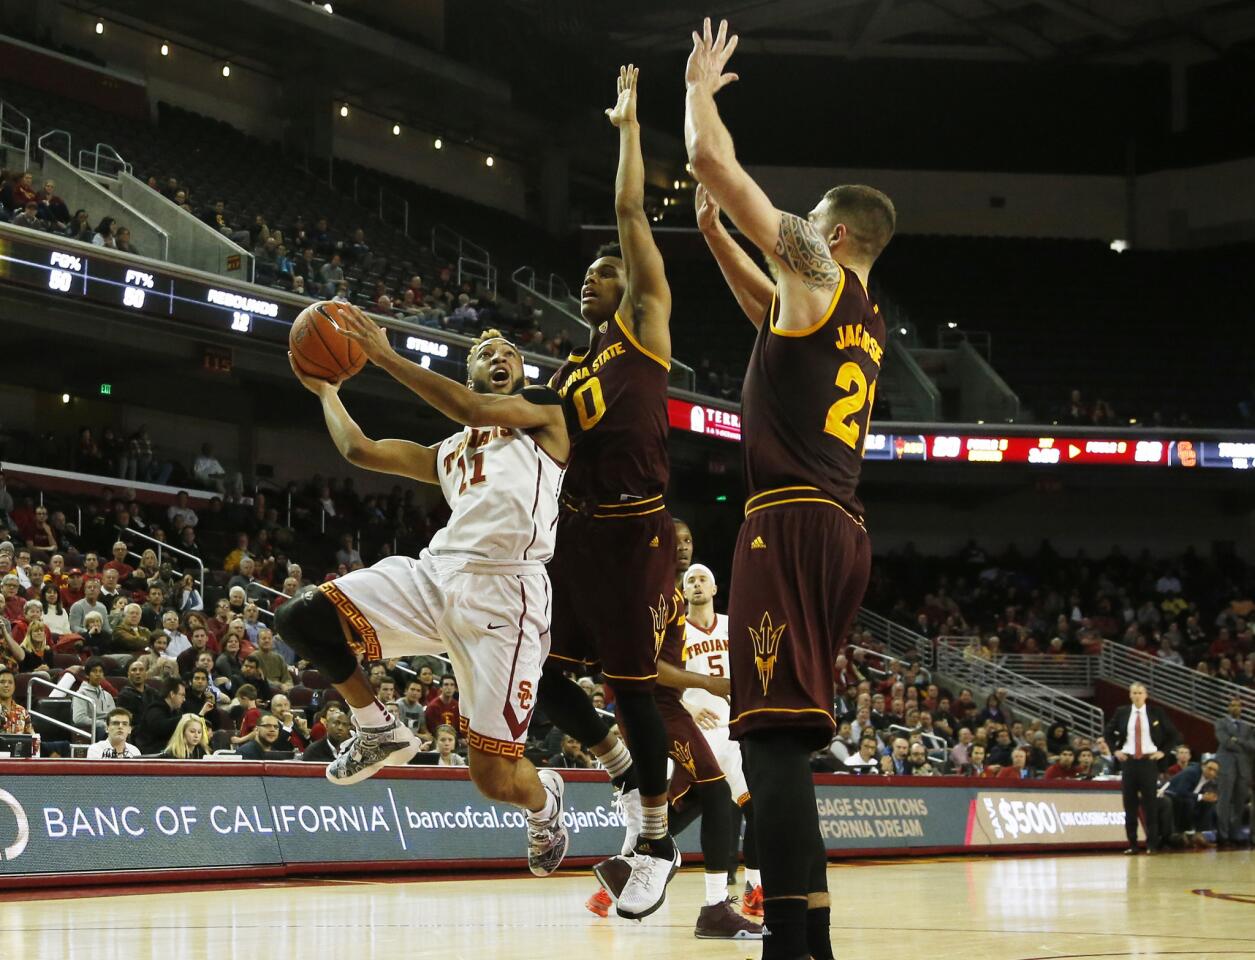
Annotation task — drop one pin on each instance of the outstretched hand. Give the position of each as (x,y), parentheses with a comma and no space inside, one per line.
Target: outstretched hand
(704,69)
(624,109)
(707,209)
(365,332)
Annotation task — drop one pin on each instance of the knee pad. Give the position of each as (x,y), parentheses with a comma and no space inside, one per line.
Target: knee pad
(310,625)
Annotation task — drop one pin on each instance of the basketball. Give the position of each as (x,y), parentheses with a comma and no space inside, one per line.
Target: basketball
(319,348)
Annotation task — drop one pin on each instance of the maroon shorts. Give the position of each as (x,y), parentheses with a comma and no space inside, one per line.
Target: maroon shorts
(613,582)
(695,762)
(798,577)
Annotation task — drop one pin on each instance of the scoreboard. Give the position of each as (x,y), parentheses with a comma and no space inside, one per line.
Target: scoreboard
(1112,449)
(77,271)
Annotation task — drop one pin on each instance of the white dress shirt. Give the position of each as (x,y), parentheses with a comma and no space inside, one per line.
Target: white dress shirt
(1138,715)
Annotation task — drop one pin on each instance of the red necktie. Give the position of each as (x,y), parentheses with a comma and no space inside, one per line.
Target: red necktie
(1137,734)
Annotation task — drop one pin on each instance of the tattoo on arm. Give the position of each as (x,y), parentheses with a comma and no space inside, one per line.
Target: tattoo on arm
(802,248)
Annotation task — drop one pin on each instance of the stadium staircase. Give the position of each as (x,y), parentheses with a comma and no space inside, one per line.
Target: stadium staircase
(950,662)
(1171,684)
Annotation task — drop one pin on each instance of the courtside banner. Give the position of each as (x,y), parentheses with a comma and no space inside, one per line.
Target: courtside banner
(85,822)
(1046,818)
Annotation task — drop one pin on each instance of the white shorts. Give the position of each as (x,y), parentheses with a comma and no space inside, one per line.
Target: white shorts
(728,753)
(491,617)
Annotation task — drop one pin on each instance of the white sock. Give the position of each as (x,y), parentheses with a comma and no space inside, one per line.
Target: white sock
(654,822)
(371,715)
(716,888)
(753,878)
(545,813)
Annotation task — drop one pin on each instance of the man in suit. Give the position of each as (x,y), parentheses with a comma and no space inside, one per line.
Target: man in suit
(1193,793)
(1235,752)
(326,749)
(1143,738)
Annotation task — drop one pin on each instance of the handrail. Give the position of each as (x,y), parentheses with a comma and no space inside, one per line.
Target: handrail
(76,731)
(21,134)
(903,642)
(182,553)
(1064,671)
(939,743)
(50,135)
(928,674)
(96,154)
(1021,692)
(458,243)
(1170,683)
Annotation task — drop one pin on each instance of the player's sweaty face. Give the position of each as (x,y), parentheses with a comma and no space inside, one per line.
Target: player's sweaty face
(496,368)
(602,291)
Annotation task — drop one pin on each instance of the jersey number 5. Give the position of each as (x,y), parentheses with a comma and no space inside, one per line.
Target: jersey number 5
(841,422)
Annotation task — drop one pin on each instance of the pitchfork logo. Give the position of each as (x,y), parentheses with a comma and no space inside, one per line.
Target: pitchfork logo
(766,647)
(23,834)
(684,757)
(660,616)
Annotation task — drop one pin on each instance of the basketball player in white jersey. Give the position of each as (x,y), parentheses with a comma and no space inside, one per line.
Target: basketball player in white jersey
(706,652)
(479,591)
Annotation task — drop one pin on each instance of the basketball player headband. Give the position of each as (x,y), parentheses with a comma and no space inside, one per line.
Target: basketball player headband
(698,568)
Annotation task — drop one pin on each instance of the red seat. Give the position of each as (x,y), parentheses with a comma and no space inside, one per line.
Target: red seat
(300,697)
(314,680)
(333,694)
(66,660)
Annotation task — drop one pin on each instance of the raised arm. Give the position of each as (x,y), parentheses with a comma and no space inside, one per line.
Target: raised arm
(536,408)
(402,458)
(791,241)
(752,288)
(648,296)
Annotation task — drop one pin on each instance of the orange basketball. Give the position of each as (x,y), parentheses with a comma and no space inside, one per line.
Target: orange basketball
(319,348)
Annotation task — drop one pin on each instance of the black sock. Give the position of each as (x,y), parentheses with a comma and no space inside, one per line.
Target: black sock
(818,937)
(626,782)
(661,847)
(784,929)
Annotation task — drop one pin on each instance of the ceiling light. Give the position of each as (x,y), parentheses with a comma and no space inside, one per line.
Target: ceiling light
(344,109)
(65,398)
(489,161)
(902,330)
(396,129)
(951,324)
(1119,246)
(688,168)
(675,184)
(438,143)
(100,27)
(327,7)
(165,49)
(226,69)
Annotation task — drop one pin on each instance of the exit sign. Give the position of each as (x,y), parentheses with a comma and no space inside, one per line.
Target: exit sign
(106,389)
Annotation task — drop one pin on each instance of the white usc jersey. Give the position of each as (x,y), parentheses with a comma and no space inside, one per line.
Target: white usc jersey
(706,652)
(503,491)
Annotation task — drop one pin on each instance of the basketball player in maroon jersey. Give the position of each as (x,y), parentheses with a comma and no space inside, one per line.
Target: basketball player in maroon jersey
(613,568)
(802,557)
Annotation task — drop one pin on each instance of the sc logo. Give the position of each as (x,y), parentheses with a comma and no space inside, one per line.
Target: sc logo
(14,850)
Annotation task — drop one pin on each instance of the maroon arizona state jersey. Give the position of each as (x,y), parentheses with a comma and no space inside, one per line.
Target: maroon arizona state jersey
(807,398)
(615,401)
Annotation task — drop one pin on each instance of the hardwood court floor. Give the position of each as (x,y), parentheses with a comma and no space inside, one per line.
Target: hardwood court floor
(1043,908)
